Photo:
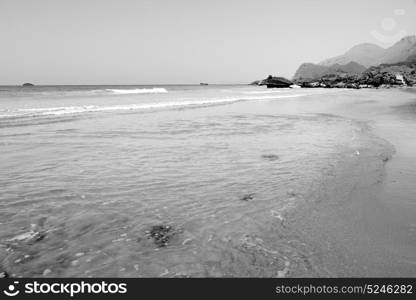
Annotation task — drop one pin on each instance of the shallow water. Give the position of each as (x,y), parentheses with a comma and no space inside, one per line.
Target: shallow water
(85,172)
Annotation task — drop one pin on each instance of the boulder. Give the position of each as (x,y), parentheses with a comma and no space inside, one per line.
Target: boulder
(161,234)
(247,197)
(276,82)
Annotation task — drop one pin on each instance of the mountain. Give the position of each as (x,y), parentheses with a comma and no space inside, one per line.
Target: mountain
(400,51)
(372,55)
(310,71)
(364,54)
(383,75)
(411,58)
(352,67)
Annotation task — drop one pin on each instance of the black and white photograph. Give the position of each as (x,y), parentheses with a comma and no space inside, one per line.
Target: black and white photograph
(207,139)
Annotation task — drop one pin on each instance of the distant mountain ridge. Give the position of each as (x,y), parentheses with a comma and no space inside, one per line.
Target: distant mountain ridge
(381,76)
(363,66)
(359,58)
(370,55)
(363,54)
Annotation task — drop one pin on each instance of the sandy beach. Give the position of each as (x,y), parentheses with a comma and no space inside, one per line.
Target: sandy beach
(366,217)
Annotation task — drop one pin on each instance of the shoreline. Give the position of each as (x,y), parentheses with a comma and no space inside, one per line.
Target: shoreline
(369,231)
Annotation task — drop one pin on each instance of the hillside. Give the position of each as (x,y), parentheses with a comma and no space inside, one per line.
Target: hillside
(309,71)
(372,55)
(364,54)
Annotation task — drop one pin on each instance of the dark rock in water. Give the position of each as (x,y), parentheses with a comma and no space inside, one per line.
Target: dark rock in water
(161,234)
(28,84)
(34,235)
(247,197)
(291,193)
(385,157)
(271,157)
(39,237)
(4,274)
(276,82)
(305,84)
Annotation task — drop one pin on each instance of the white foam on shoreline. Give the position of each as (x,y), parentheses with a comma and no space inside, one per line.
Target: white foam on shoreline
(34,112)
(137,91)
(265,92)
(100,92)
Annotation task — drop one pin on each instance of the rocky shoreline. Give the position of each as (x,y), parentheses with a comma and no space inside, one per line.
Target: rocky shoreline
(363,66)
(382,76)
(372,79)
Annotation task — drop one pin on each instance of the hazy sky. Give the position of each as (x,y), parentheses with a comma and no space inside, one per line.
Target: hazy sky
(185,41)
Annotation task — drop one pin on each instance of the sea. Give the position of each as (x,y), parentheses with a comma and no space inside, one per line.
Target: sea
(188,180)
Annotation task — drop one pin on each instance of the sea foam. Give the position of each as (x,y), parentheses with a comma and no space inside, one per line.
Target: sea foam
(64,110)
(33,112)
(138,91)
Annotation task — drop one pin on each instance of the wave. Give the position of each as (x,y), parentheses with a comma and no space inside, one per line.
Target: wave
(265,92)
(97,92)
(137,91)
(50,111)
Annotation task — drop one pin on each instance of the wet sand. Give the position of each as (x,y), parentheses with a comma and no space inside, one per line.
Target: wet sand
(395,219)
(367,227)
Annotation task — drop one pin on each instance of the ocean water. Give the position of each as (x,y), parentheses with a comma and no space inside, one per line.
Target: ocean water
(86,172)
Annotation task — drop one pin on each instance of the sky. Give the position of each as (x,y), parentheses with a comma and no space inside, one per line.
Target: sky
(185,41)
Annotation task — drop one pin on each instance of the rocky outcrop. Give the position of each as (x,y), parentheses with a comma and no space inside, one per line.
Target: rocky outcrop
(386,75)
(363,66)
(161,234)
(276,82)
(393,66)
(403,73)
(340,81)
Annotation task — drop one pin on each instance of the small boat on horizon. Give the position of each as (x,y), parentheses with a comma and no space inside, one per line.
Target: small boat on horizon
(203,83)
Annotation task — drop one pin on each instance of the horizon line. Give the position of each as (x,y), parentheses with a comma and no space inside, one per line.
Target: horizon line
(123,84)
